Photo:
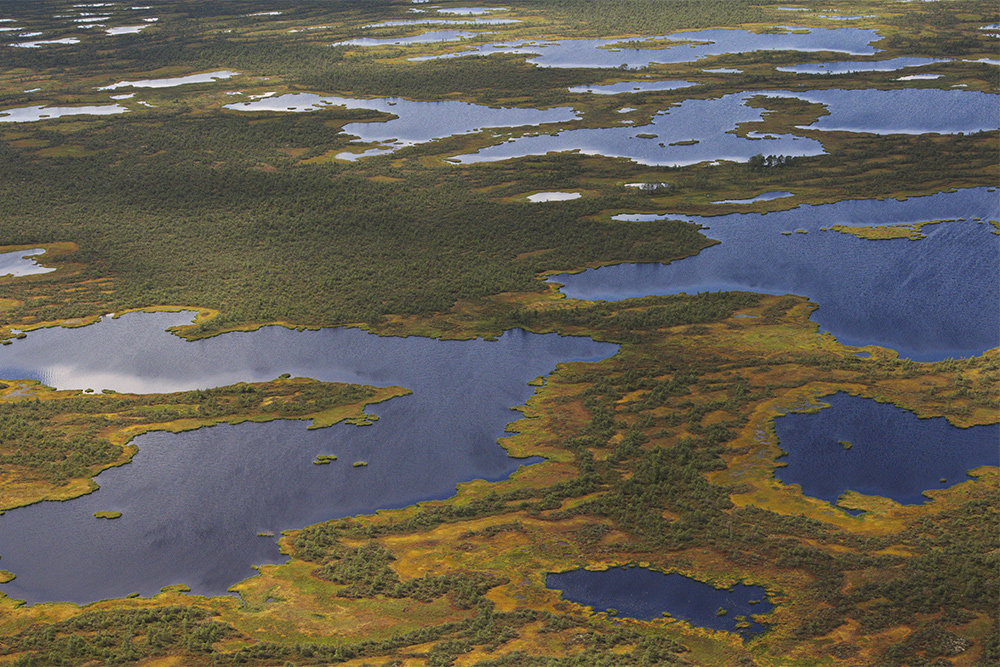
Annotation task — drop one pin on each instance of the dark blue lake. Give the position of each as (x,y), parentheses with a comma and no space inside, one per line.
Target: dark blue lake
(193,503)
(892,453)
(930,299)
(637,592)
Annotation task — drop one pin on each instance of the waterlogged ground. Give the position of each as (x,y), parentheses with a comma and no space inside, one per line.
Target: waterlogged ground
(202,508)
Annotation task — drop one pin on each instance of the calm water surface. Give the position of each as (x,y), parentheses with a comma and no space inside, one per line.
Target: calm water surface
(21,263)
(930,299)
(32,114)
(844,67)
(892,453)
(676,47)
(712,123)
(429,37)
(204,77)
(631,87)
(464,22)
(637,592)
(192,504)
(415,122)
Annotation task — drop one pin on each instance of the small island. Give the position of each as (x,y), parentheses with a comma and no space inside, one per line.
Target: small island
(107,515)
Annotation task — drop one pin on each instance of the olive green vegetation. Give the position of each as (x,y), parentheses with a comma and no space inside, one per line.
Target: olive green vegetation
(655,458)
(661,475)
(313,246)
(107,514)
(187,203)
(663,455)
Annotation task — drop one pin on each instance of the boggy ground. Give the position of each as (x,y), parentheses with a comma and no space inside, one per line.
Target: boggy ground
(180,201)
(660,456)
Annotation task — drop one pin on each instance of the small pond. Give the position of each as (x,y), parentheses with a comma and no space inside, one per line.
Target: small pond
(32,114)
(637,592)
(631,87)
(126,29)
(423,38)
(20,263)
(46,42)
(930,299)
(878,449)
(193,503)
(204,77)
(553,196)
(767,196)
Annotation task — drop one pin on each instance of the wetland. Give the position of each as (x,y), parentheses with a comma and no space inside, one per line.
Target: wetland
(423,418)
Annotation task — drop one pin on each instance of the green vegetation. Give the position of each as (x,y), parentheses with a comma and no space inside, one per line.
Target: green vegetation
(662,456)
(104,514)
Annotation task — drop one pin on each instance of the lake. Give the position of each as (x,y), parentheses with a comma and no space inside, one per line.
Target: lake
(892,452)
(678,47)
(712,125)
(637,592)
(36,113)
(193,503)
(415,122)
(930,299)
